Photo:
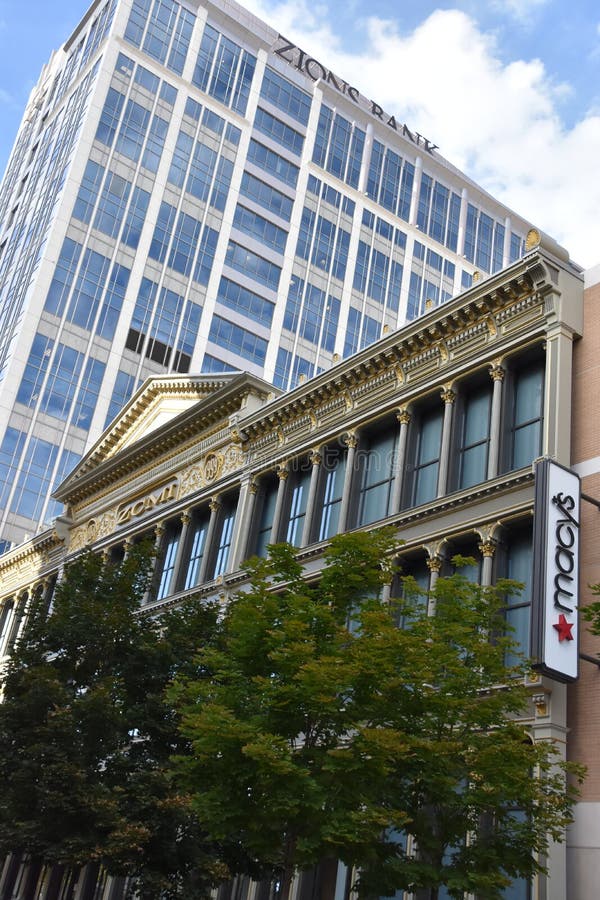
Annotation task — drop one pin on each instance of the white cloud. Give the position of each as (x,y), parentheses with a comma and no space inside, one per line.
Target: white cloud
(522,10)
(499,122)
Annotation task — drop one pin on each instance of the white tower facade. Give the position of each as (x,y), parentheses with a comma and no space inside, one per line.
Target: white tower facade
(191,192)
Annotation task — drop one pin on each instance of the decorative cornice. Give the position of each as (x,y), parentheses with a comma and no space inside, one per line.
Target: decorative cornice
(433,341)
(32,555)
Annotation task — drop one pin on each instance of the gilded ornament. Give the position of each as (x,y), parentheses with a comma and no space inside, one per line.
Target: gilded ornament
(434,564)
(487,548)
(213,463)
(533,239)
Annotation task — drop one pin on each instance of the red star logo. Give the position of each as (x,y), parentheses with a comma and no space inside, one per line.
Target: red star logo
(564,629)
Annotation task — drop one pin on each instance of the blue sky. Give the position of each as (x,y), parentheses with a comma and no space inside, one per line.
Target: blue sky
(509,89)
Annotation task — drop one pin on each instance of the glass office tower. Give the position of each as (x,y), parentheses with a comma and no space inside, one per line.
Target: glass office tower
(191,192)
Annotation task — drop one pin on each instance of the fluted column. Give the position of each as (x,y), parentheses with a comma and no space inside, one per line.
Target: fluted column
(403,416)
(448,396)
(179,565)
(127,545)
(351,442)
(434,564)
(240,528)
(18,615)
(244,519)
(282,474)
(7,610)
(31,596)
(152,585)
(497,374)
(215,507)
(386,594)
(38,593)
(487,549)
(315,460)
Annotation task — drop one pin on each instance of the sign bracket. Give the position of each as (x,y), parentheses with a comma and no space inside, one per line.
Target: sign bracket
(591,659)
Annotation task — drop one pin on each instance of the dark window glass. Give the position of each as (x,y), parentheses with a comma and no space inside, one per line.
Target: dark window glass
(475,436)
(266,510)
(527,415)
(518,566)
(298,487)
(196,549)
(427,456)
(166,564)
(377,477)
(224,538)
(332,487)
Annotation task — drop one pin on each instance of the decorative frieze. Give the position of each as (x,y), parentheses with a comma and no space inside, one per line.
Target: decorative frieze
(93,530)
(213,466)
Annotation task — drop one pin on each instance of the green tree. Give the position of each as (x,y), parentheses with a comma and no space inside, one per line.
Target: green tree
(85,733)
(320,729)
(482,800)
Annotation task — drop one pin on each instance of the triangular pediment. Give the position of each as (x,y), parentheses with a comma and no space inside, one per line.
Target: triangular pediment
(164,409)
(159,400)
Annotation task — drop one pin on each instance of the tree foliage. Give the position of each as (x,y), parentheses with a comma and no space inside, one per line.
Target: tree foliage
(85,733)
(308,721)
(319,728)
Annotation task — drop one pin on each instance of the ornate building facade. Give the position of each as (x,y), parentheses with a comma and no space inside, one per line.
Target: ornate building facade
(433,429)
